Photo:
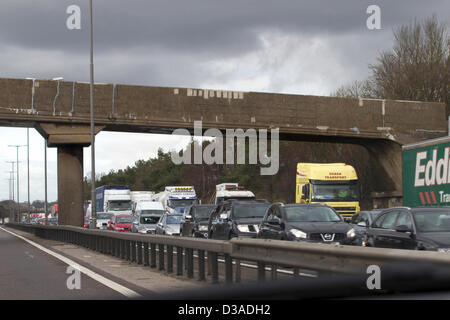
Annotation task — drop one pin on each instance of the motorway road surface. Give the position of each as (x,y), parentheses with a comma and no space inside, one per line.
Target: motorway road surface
(27,272)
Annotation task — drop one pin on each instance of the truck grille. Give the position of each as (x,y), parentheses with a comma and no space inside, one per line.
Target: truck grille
(321,237)
(339,209)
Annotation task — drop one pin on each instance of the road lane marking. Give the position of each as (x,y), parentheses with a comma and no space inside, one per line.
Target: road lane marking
(99,278)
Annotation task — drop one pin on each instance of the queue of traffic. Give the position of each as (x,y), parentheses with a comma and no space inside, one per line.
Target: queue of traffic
(235,212)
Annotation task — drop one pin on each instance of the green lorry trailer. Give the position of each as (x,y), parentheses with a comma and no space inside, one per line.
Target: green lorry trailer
(426,173)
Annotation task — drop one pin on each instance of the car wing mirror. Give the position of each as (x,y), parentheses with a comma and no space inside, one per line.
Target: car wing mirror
(274,222)
(362,224)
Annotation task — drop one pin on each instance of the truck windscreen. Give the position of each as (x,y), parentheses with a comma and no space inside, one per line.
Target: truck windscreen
(174,203)
(119,205)
(334,192)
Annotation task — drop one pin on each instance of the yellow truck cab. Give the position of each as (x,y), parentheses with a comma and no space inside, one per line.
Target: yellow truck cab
(334,184)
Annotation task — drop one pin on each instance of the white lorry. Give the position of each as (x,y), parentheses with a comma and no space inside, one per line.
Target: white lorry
(228,191)
(176,199)
(114,199)
(137,196)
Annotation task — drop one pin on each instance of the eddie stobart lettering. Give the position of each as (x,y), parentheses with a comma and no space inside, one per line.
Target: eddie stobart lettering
(434,171)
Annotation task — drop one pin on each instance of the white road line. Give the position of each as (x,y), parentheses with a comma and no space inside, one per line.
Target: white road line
(109,283)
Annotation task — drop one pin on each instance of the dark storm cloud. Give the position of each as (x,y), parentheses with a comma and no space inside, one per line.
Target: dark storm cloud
(219,28)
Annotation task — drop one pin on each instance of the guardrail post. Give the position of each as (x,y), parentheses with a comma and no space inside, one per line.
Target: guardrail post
(169,259)
(201,265)
(117,248)
(146,260)
(122,248)
(139,252)
(238,270)
(228,269)
(261,271)
(133,251)
(128,249)
(273,271)
(190,262)
(161,256)
(153,255)
(214,266)
(179,261)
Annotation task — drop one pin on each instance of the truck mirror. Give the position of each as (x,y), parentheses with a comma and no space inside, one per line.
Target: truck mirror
(305,192)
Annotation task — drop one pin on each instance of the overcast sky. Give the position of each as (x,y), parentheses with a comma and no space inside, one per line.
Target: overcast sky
(300,47)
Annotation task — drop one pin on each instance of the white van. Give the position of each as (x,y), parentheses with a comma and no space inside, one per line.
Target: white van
(148,214)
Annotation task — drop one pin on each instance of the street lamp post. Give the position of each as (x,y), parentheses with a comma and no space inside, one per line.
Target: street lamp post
(12,178)
(17,146)
(93,223)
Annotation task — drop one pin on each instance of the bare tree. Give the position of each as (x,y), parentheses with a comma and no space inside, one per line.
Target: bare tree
(418,66)
(357,89)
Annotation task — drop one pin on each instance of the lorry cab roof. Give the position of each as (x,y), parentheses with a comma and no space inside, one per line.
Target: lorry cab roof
(149,205)
(326,171)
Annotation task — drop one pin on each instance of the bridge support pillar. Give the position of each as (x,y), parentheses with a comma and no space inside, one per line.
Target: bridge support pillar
(70,185)
(70,141)
(388,173)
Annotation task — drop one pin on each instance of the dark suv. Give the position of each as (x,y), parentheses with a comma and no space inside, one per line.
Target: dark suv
(236,219)
(411,228)
(305,222)
(196,220)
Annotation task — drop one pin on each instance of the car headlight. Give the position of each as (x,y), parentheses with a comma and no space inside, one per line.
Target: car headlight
(298,233)
(351,233)
(243,228)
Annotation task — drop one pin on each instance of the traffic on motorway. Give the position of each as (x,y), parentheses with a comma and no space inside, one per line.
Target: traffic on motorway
(326,210)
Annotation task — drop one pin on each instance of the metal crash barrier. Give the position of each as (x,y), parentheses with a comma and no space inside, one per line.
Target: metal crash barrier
(223,261)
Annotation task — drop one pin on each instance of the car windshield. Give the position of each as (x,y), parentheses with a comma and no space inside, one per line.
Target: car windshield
(159,212)
(334,192)
(119,205)
(250,211)
(174,219)
(311,214)
(128,219)
(202,213)
(374,213)
(104,216)
(173,203)
(150,219)
(429,221)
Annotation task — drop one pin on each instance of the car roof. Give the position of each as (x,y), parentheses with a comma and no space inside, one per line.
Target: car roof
(305,205)
(421,209)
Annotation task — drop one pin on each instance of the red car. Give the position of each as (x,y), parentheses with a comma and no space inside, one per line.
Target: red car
(121,223)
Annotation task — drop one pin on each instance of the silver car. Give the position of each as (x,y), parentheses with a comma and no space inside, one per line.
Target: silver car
(170,224)
(146,223)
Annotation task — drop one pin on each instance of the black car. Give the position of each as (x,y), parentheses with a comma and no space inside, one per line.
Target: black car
(411,228)
(360,222)
(236,218)
(305,222)
(196,220)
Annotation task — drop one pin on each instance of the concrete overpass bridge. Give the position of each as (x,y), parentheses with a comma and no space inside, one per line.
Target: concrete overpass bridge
(60,112)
